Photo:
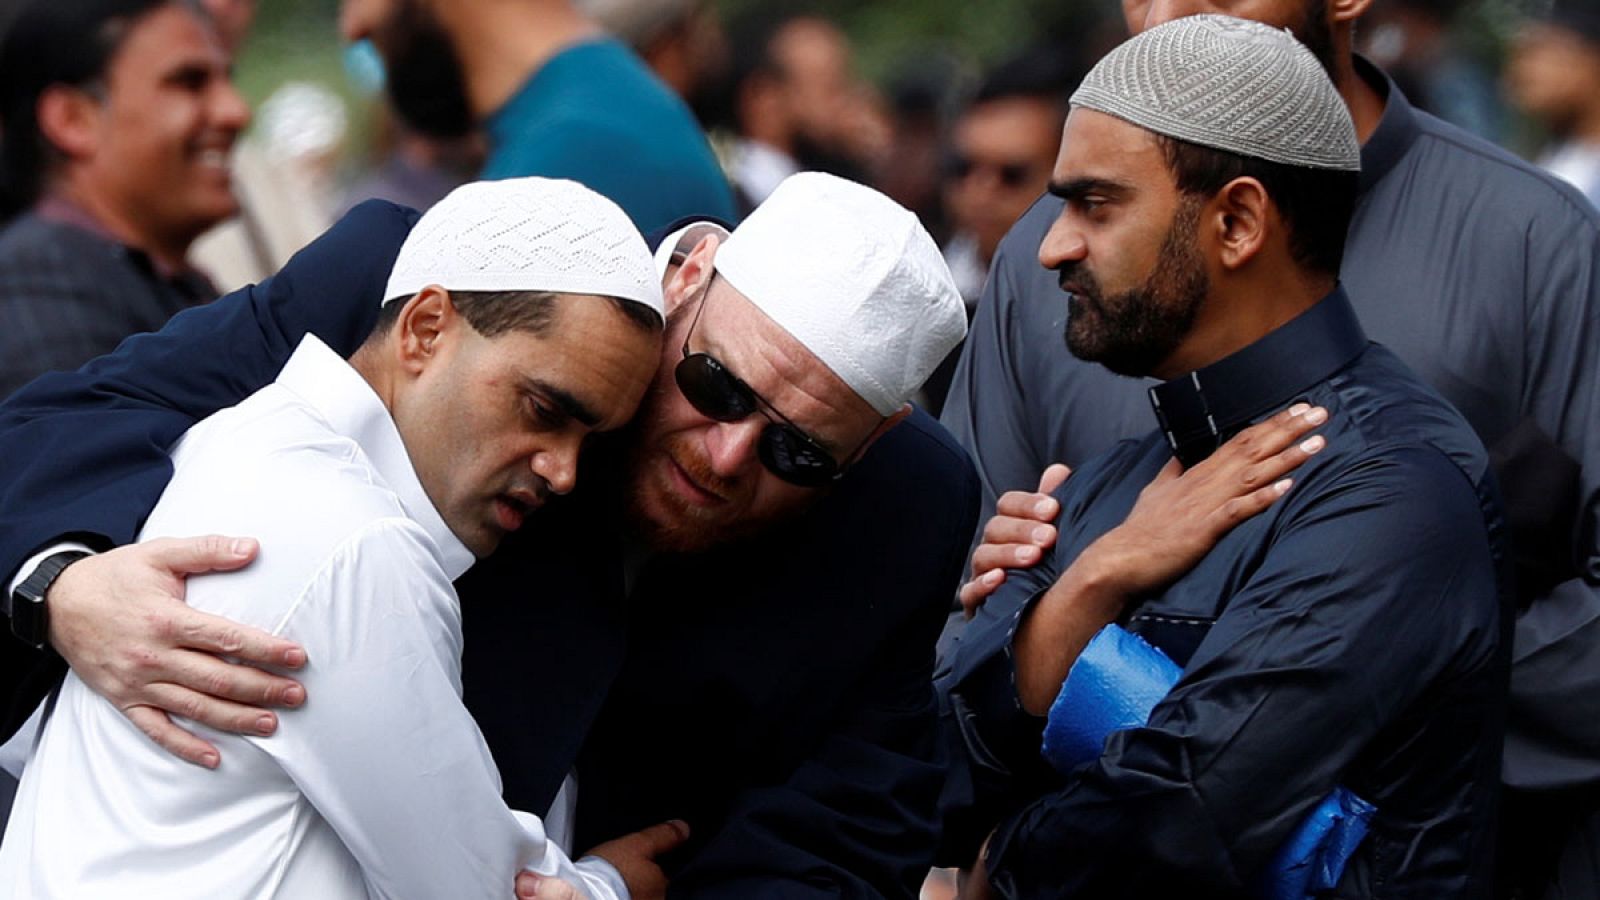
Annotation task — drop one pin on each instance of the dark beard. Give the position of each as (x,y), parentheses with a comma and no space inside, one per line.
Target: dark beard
(1134,332)
(424,77)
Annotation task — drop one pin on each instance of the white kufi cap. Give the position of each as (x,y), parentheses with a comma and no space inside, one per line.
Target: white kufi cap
(527,234)
(855,278)
(1229,84)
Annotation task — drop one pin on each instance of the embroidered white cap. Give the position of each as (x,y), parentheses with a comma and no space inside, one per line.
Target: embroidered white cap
(527,234)
(854,277)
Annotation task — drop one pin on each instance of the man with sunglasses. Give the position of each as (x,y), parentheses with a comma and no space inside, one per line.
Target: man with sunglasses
(751,582)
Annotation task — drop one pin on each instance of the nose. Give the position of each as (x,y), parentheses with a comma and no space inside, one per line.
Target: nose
(1063,243)
(731,446)
(558,466)
(353,24)
(228,109)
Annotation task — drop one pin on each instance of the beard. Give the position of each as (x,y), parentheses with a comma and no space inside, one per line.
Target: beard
(424,78)
(1133,332)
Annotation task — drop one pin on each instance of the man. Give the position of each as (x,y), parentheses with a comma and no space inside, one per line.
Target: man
(378,482)
(1351,634)
(760,633)
(1002,147)
(1550,75)
(795,105)
(556,97)
(119,117)
(1480,272)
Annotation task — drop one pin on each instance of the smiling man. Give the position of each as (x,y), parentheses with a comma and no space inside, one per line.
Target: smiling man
(377,483)
(119,118)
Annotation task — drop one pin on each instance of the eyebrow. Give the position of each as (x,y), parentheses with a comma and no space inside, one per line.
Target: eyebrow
(569,404)
(1076,188)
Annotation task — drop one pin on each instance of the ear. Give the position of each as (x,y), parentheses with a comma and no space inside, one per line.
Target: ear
(69,118)
(691,277)
(1346,12)
(427,320)
(1240,216)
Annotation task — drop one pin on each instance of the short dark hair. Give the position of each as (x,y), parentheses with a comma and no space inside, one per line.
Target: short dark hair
(1046,73)
(1316,204)
(493,313)
(53,42)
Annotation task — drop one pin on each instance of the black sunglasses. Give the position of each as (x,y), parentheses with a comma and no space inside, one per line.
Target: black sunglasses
(1011,175)
(718,394)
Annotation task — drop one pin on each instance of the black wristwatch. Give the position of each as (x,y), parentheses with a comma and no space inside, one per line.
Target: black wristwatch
(30,620)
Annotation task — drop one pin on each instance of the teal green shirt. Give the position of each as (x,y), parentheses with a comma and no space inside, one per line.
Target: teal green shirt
(595,114)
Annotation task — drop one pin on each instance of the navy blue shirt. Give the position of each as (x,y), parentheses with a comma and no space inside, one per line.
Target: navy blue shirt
(1478,270)
(1351,634)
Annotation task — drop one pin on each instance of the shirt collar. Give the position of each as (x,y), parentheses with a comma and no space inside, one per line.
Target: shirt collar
(351,408)
(1397,128)
(1199,411)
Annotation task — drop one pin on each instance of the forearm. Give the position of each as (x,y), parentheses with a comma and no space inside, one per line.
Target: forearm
(1059,625)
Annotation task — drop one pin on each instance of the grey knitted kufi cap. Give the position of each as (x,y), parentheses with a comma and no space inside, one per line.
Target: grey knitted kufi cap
(1229,84)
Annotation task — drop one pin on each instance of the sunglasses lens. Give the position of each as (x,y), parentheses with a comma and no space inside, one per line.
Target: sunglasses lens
(794,457)
(711,390)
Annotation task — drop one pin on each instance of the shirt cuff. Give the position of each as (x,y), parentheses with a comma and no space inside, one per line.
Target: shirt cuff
(605,871)
(28,566)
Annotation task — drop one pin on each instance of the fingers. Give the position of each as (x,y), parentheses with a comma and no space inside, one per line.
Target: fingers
(206,674)
(531,886)
(1054,476)
(223,715)
(203,631)
(1273,435)
(1243,507)
(1027,507)
(658,839)
(157,727)
(211,553)
(1010,530)
(976,592)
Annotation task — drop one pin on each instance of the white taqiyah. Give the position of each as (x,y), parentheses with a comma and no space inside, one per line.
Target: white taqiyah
(527,234)
(855,278)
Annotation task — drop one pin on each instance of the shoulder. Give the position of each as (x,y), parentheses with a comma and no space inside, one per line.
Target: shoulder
(918,451)
(1475,168)
(1388,408)
(30,245)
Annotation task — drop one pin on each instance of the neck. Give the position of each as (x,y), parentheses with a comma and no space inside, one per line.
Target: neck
(1586,125)
(369,362)
(168,251)
(1233,318)
(1363,100)
(502,45)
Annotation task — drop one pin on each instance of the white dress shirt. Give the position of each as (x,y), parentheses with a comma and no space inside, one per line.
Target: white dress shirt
(381,784)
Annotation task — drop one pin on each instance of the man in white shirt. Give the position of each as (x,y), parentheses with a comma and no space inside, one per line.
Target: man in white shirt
(520,316)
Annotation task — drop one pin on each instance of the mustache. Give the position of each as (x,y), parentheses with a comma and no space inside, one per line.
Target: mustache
(1074,279)
(694,462)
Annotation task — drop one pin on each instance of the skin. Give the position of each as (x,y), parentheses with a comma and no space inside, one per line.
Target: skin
(499,44)
(1020,131)
(488,463)
(1023,525)
(697,482)
(232,19)
(148,157)
(1122,202)
(1551,75)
